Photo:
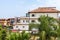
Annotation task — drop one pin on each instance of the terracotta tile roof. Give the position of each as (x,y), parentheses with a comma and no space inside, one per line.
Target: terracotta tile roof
(2,19)
(45,10)
(10,18)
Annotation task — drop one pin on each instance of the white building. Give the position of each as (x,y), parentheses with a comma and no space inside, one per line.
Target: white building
(22,23)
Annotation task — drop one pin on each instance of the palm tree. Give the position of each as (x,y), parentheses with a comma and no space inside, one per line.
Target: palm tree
(43,27)
(32,25)
(47,24)
(59,26)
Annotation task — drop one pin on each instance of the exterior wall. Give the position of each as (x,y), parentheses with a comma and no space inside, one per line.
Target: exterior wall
(23,20)
(23,24)
(37,15)
(21,27)
(59,15)
(35,19)
(55,15)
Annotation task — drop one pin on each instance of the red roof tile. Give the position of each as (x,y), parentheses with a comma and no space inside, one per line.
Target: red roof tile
(2,19)
(45,10)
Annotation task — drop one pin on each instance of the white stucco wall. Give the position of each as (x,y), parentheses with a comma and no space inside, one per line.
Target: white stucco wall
(36,21)
(55,15)
(20,27)
(37,15)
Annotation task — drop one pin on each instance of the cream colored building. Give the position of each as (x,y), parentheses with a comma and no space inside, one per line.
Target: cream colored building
(22,23)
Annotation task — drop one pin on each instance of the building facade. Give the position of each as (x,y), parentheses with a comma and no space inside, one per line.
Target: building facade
(22,23)
(7,22)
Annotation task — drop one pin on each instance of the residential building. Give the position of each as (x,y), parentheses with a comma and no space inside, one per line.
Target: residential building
(22,23)
(2,21)
(7,22)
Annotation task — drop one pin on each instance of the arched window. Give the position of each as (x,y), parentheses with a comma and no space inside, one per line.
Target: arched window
(23,26)
(33,21)
(16,26)
(33,15)
(23,21)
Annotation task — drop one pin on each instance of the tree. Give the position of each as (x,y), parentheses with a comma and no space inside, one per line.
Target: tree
(2,33)
(32,25)
(47,24)
(18,36)
(47,27)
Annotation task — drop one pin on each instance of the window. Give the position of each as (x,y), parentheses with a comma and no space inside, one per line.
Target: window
(33,15)
(27,20)
(18,20)
(23,20)
(11,22)
(33,21)
(23,26)
(27,14)
(16,26)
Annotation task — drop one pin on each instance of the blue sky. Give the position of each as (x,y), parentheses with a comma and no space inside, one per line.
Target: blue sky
(17,8)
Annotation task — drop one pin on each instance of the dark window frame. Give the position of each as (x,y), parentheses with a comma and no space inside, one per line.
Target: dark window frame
(27,20)
(23,21)
(33,15)
(32,20)
(23,26)
(16,26)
